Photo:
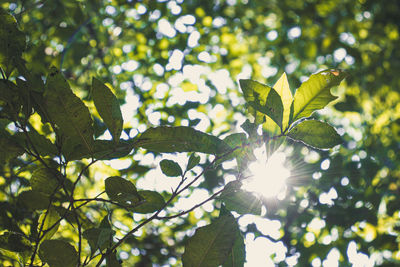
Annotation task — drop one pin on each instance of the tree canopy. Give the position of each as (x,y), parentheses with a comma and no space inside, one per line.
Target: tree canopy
(130,133)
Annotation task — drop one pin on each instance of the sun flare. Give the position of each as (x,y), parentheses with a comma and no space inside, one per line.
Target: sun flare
(269,177)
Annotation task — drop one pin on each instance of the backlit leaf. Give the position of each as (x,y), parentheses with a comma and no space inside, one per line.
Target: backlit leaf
(50,223)
(45,180)
(170,168)
(315,93)
(264,99)
(152,201)
(108,107)
(121,190)
(180,139)
(316,134)
(237,254)
(211,244)
(104,150)
(58,253)
(69,114)
(242,202)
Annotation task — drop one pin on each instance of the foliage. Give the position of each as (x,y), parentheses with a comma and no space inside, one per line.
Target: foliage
(64,201)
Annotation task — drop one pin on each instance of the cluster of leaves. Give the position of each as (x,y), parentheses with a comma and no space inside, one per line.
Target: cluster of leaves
(70,138)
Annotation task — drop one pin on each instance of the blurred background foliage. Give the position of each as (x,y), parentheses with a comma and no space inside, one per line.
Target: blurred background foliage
(177,63)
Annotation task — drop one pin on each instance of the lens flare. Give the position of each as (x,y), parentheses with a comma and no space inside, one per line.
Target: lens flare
(269,177)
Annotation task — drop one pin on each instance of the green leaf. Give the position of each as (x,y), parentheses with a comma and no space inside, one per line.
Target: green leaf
(180,139)
(316,134)
(45,180)
(112,261)
(192,162)
(121,190)
(242,202)
(41,144)
(152,201)
(170,168)
(315,93)
(264,99)
(33,200)
(108,107)
(104,150)
(243,152)
(99,238)
(14,242)
(211,244)
(12,42)
(69,114)
(57,253)
(237,254)
(9,150)
(50,223)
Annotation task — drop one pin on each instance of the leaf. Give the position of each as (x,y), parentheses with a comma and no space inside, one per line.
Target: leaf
(242,202)
(108,108)
(264,99)
(14,242)
(41,144)
(9,150)
(316,134)
(58,253)
(192,162)
(237,254)
(45,180)
(112,261)
(283,90)
(12,42)
(315,93)
(180,139)
(50,223)
(104,150)
(170,168)
(152,201)
(243,153)
(33,200)
(99,238)
(211,244)
(69,114)
(121,190)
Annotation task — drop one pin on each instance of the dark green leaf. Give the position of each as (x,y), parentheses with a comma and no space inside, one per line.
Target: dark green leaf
(315,93)
(242,202)
(45,180)
(58,253)
(180,139)
(101,237)
(170,168)
(104,150)
(69,114)
(108,107)
(12,42)
(192,162)
(9,150)
(14,242)
(264,99)
(152,201)
(211,244)
(112,261)
(121,190)
(237,255)
(33,200)
(316,134)
(38,143)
